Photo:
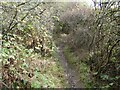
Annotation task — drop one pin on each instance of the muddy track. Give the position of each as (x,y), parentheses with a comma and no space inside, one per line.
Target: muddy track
(71,75)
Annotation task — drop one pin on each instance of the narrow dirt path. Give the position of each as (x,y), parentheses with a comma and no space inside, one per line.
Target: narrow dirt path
(71,75)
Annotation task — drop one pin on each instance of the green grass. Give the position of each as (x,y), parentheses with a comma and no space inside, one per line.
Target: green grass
(79,66)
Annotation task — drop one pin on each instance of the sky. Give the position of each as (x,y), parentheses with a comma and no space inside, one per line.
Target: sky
(90,2)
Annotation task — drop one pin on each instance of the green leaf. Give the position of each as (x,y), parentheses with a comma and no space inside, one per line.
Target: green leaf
(6,44)
(104,77)
(5,50)
(56,18)
(25,65)
(111,84)
(95,73)
(35,84)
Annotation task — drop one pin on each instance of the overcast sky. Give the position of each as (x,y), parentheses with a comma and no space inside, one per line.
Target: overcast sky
(90,2)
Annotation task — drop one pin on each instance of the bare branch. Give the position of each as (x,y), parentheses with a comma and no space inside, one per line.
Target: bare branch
(19,21)
(110,53)
(34,7)
(13,19)
(10,28)
(4,84)
(22,3)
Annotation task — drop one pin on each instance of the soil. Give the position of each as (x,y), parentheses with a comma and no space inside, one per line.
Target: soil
(70,74)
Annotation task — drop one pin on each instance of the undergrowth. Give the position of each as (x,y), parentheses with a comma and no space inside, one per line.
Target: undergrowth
(79,66)
(24,68)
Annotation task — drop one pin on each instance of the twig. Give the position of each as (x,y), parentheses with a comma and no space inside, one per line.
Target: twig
(19,21)
(110,53)
(34,7)
(24,17)
(22,3)
(4,84)
(12,20)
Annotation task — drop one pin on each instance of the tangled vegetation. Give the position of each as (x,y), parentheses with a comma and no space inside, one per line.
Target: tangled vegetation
(28,59)
(105,45)
(32,31)
(93,38)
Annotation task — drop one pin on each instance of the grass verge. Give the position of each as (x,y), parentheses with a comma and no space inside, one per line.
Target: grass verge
(76,64)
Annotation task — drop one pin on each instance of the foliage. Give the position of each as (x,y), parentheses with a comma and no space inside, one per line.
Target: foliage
(27,46)
(29,54)
(95,33)
(104,54)
(79,66)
